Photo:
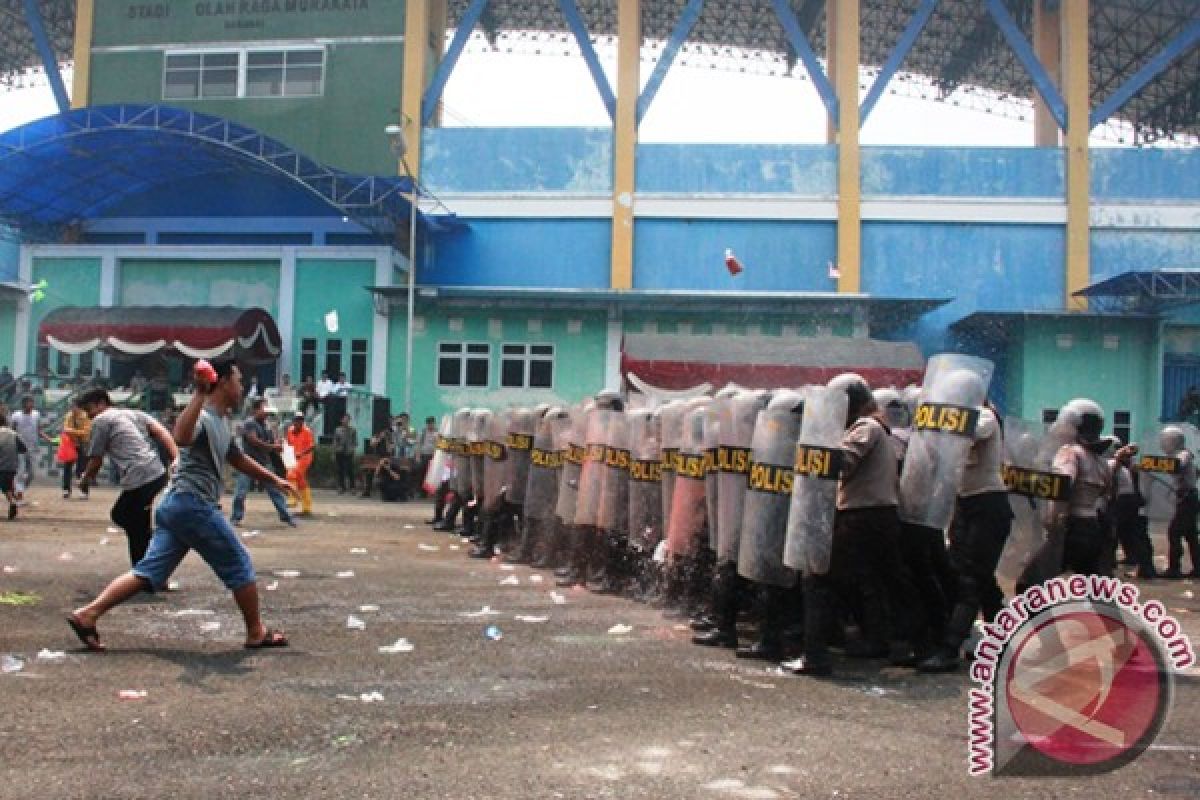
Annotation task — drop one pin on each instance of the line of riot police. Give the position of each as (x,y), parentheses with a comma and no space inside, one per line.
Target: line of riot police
(881,523)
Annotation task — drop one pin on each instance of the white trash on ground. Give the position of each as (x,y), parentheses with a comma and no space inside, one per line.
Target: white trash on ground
(559,599)
(355,624)
(486,611)
(401,645)
(346,573)
(368,608)
(620,629)
(132,694)
(9,664)
(529,618)
(46,654)
(511,580)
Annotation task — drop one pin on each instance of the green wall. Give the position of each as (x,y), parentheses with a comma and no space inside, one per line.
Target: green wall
(323,286)
(1124,378)
(69,282)
(8,327)
(738,324)
(164,282)
(342,128)
(578,358)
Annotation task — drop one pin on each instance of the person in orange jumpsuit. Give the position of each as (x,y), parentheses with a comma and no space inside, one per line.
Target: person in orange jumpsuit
(300,437)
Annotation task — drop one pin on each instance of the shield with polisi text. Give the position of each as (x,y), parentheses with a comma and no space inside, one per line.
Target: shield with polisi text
(522,423)
(545,465)
(817,467)
(735,435)
(769,492)
(689,503)
(645,480)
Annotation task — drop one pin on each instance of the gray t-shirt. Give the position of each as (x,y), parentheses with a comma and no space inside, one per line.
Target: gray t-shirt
(199,470)
(260,430)
(121,434)
(26,426)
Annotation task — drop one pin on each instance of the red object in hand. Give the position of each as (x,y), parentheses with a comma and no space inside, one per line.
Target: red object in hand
(205,373)
(731,263)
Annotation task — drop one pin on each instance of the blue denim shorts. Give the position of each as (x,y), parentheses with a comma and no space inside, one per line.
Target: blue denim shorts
(184,522)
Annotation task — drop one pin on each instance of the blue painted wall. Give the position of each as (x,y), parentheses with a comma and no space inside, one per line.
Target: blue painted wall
(517,160)
(962,172)
(776,256)
(805,170)
(570,253)
(1114,251)
(1132,174)
(984,267)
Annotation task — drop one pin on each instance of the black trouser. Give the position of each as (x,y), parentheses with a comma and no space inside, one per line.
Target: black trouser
(70,471)
(133,513)
(924,550)
(865,559)
(345,470)
(1084,546)
(439,501)
(729,593)
(981,527)
(1132,532)
(1183,529)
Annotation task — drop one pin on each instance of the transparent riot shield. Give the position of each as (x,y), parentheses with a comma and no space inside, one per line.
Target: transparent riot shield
(497,466)
(522,424)
(591,476)
(545,466)
(571,443)
(612,512)
(712,427)
(443,453)
(689,503)
(943,432)
(481,421)
(735,434)
(817,467)
(671,426)
(769,492)
(645,480)
(460,425)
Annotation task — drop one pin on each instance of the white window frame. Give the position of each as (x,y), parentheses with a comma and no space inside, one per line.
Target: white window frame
(242,63)
(463,357)
(527,357)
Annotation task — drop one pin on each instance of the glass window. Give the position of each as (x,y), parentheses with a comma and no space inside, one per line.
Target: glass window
(308,359)
(333,357)
(464,364)
(358,361)
(262,73)
(63,367)
(1122,425)
(527,366)
(87,362)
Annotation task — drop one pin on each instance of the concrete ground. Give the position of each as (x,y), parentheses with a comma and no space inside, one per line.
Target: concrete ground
(559,707)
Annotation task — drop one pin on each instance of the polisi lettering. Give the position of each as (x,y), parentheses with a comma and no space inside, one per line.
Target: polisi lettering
(594,452)
(615,457)
(771,478)
(647,471)
(520,441)
(1165,464)
(550,459)
(818,462)
(495,451)
(946,418)
(1036,483)
(575,454)
(668,459)
(690,466)
(734,459)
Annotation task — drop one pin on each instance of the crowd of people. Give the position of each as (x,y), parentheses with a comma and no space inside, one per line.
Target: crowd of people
(880,522)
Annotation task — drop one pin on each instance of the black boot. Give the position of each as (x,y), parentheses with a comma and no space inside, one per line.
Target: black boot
(818,622)
(726,591)
(769,646)
(575,572)
(523,552)
(487,537)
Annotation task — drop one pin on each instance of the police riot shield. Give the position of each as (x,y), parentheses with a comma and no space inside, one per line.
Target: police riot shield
(712,427)
(816,470)
(1029,455)
(571,439)
(460,423)
(497,466)
(591,476)
(734,436)
(545,465)
(943,432)
(481,420)
(612,513)
(522,424)
(769,491)
(689,502)
(443,453)
(671,427)
(645,479)
(1158,466)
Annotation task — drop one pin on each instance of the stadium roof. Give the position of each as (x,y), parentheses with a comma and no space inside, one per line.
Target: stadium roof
(961,46)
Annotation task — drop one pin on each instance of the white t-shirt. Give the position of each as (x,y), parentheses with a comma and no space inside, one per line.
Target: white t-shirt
(324,387)
(340,389)
(26,426)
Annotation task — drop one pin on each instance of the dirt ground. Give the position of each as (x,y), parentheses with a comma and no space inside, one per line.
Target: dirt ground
(558,707)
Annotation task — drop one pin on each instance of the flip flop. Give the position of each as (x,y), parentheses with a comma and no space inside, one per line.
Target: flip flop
(89,636)
(272,638)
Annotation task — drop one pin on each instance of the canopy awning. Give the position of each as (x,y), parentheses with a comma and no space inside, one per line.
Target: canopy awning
(249,335)
(682,361)
(1147,291)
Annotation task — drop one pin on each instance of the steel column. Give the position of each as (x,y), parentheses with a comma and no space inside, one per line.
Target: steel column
(579,29)
(33,18)
(679,34)
(905,44)
(446,66)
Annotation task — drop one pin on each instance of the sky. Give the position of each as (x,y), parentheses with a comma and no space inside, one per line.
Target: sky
(694,104)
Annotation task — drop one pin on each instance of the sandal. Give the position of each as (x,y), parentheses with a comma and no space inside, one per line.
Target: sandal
(87,635)
(270,639)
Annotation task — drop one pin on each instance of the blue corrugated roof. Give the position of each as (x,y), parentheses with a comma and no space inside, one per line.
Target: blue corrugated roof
(73,167)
